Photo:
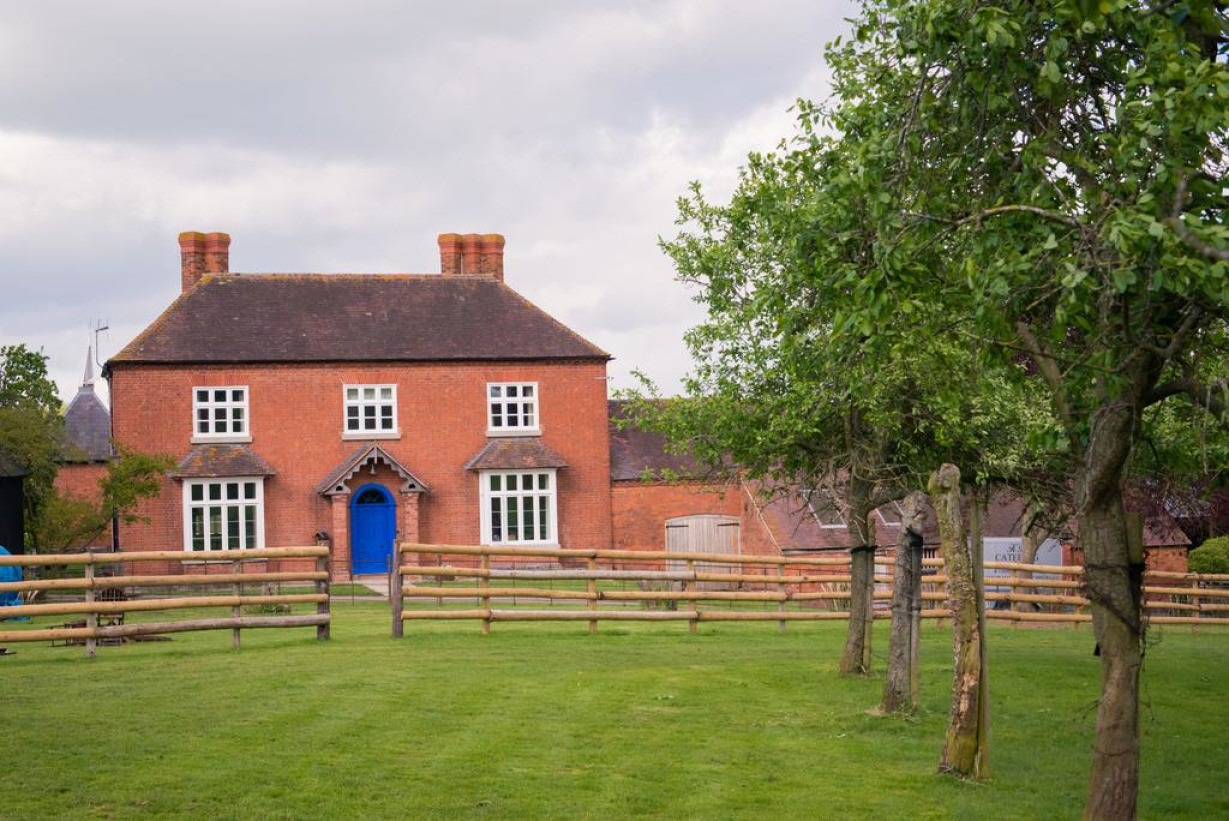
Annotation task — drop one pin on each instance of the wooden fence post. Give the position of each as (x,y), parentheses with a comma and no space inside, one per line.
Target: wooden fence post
(781,604)
(236,611)
(485,584)
(91,618)
(688,586)
(324,631)
(1195,600)
(439,562)
(592,588)
(395,594)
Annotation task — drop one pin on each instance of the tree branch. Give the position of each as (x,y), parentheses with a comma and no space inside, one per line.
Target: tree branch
(1048,367)
(1199,395)
(1174,221)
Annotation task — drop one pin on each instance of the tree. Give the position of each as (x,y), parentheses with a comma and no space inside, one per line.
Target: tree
(796,385)
(1211,557)
(24,380)
(775,395)
(901,684)
(31,429)
(66,521)
(1052,150)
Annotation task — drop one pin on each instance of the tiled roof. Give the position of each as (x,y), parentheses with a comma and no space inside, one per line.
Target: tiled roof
(368,453)
(87,426)
(208,461)
(515,453)
(636,453)
(351,318)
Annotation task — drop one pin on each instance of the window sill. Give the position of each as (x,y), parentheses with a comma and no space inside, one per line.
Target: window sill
(502,432)
(552,545)
(369,435)
(221,440)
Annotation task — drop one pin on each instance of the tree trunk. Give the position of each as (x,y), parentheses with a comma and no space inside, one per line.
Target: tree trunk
(1113,579)
(977,544)
(1032,537)
(857,657)
(960,748)
(900,693)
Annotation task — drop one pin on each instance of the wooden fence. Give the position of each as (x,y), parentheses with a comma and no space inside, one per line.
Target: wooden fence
(108,596)
(541,584)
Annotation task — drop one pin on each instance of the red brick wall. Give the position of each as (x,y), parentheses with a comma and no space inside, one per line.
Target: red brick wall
(640,511)
(1169,559)
(296,426)
(80,481)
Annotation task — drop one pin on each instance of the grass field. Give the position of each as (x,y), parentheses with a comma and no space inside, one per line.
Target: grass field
(543,720)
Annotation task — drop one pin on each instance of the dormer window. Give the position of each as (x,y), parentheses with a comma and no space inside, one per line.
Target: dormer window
(220,414)
(512,408)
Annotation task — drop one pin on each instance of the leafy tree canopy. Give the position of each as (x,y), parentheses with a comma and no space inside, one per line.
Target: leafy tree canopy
(24,380)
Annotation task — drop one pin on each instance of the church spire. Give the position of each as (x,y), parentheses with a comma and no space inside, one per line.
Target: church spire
(88,380)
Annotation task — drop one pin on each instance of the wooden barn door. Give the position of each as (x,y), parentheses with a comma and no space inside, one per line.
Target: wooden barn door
(706,533)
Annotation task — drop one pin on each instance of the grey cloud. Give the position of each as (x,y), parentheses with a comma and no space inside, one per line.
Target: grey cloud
(337,137)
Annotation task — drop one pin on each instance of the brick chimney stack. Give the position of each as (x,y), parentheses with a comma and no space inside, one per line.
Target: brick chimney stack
(450,253)
(492,256)
(471,254)
(217,253)
(192,257)
(202,254)
(474,255)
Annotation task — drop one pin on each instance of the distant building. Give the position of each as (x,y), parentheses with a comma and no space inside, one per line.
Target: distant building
(87,433)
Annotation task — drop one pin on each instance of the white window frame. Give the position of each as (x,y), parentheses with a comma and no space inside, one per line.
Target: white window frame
(237,504)
(211,405)
(486,495)
(503,429)
(899,512)
(829,507)
(361,403)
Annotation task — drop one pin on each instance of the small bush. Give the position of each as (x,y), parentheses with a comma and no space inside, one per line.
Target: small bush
(1210,557)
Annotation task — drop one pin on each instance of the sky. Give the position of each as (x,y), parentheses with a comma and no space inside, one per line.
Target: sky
(346,136)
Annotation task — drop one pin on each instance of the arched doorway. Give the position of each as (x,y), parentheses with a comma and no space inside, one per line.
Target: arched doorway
(373,516)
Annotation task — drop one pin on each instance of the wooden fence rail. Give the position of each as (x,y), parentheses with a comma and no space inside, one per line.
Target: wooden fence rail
(523,579)
(91,607)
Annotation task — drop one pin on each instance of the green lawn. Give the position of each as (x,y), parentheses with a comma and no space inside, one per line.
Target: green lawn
(543,720)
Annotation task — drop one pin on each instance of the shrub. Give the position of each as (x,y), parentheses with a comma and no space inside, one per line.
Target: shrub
(1210,557)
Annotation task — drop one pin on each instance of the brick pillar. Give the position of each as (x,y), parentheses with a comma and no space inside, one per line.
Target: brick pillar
(192,258)
(340,554)
(409,519)
(450,253)
(217,253)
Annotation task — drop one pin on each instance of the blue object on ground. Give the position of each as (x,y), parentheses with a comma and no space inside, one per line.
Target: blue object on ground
(7,598)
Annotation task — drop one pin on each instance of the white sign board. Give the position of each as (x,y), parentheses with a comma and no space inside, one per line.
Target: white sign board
(1008,550)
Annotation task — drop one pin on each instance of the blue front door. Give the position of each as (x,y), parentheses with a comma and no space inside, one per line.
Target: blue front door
(372,517)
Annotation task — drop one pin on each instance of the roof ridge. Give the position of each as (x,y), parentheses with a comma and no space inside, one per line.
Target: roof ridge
(343,274)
